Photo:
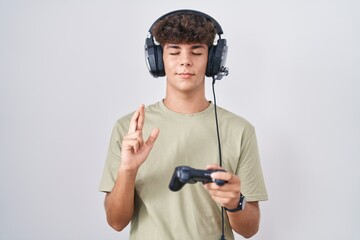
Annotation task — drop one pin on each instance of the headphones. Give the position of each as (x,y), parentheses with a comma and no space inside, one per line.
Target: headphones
(216,58)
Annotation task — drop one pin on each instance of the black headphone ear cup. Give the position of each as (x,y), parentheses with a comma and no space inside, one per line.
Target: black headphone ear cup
(209,65)
(217,58)
(159,61)
(153,57)
(150,55)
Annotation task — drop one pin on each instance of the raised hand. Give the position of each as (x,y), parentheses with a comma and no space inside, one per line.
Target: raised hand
(134,149)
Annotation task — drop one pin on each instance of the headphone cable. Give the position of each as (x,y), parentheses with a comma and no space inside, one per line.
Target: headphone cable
(220,155)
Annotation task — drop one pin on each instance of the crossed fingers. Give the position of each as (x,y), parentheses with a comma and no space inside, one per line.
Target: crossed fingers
(134,138)
(137,120)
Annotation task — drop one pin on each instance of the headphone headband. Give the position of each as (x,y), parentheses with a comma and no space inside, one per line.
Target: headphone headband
(217,26)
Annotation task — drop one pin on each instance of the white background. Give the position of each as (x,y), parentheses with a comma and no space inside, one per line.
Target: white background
(70,69)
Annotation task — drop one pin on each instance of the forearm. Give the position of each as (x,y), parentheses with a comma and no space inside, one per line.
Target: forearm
(246,222)
(119,203)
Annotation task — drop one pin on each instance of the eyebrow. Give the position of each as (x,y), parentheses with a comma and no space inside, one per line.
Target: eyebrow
(195,46)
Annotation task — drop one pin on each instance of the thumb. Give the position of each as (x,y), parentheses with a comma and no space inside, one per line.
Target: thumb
(152,138)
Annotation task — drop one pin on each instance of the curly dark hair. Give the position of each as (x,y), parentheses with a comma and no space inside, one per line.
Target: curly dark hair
(184,28)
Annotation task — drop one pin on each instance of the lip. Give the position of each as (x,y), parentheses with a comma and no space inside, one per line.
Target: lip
(185,75)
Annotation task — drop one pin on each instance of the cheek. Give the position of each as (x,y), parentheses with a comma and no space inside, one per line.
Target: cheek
(205,61)
(204,64)
(168,64)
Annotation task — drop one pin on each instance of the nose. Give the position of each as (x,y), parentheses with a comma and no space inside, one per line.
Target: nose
(185,59)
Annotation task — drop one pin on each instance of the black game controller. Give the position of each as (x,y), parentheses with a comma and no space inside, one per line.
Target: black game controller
(185,174)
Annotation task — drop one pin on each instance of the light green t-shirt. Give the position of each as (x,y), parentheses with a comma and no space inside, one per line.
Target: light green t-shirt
(186,140)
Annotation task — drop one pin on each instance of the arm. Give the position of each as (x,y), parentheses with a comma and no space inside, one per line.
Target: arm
(119,203)
(244,222)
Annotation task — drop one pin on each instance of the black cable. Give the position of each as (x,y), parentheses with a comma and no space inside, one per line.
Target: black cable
(220,156)
(217,122)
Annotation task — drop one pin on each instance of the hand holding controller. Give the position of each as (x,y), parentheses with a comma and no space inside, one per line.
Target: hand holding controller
(185,174)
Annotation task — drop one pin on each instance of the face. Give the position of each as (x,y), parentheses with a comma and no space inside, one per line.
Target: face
(185,66)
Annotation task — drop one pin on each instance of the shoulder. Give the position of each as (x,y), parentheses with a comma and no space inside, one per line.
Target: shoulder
(124,121)
(233,119)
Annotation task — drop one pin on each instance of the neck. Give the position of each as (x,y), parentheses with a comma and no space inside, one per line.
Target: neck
(186,105)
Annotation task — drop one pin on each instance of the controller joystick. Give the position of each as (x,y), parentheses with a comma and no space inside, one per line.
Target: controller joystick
(185,174)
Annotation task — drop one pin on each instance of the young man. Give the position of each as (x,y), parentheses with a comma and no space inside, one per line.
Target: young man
(148,144)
